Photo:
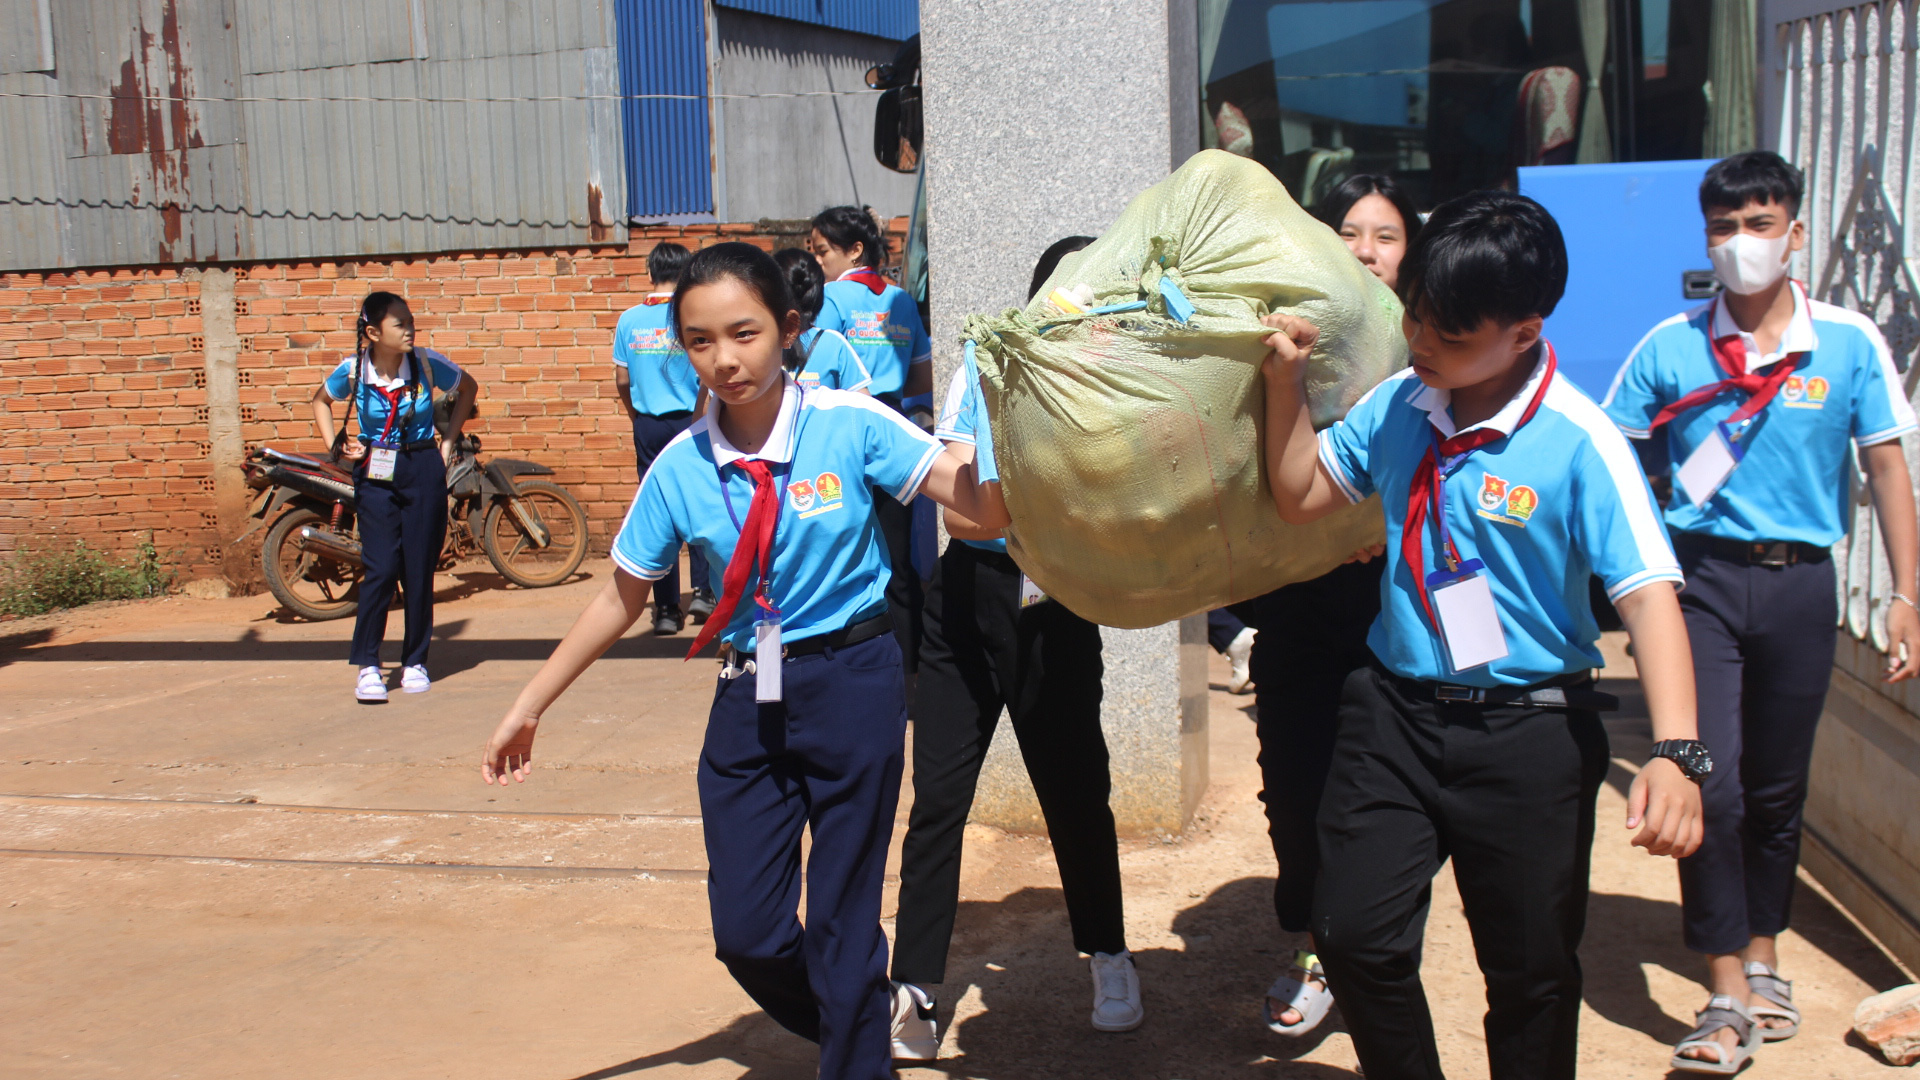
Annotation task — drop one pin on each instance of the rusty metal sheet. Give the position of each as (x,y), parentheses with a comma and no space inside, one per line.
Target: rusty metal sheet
(150,160)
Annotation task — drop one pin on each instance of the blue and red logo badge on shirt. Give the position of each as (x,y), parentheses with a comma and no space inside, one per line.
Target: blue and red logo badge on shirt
(820,495)
(1508,504)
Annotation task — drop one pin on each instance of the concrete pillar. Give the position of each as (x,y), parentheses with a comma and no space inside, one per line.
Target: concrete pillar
(220,361)
(1042,122)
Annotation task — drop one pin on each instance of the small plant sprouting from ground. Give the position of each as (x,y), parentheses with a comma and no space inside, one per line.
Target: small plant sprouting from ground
(38,579)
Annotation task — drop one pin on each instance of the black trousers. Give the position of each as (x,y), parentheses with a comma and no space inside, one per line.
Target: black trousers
(1508,793)
(1043,665)
(824,762)
(1311,637)
(906,600)
(651,434)
(1763,639)
(403,526)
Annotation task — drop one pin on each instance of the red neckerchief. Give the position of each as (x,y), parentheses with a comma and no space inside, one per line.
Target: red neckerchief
(756,543)
(868,276)
(394,397)
(657,299)
(1731,353)
(1428,486)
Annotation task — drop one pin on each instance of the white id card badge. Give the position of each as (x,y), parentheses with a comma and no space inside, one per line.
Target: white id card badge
(767,660)
(380,463)
(1709,466)
(1469,619)
(1030,593)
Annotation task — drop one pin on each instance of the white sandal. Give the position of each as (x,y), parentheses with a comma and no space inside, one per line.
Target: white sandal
(1778,992)
(1722,1012)
(1299,994)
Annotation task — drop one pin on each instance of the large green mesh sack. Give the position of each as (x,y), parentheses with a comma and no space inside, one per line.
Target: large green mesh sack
(1129,445)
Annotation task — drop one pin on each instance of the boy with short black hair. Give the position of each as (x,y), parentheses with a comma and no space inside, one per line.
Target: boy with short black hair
(1764,394)
(660,392)
(1476,737)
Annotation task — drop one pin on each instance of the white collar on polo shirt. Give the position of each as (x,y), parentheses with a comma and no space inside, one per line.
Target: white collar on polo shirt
(779,446)
(1435,401)
(1799,336)
(372,377)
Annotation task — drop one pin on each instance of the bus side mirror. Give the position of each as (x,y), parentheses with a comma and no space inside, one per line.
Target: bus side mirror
(898,132)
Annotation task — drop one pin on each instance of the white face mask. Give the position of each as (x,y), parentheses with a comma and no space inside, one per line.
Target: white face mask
(1746,263)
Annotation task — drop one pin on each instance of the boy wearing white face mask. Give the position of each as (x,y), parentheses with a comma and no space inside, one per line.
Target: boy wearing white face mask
(1761,393)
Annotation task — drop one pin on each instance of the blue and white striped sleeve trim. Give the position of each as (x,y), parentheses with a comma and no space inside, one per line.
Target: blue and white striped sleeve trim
(1652,549)
(953,411)
(622,559)
(1328,461)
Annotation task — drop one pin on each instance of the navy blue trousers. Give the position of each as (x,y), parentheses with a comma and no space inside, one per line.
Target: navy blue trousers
(1763,639)
(827,759)
(1222,627)
(651,434)
(403,526)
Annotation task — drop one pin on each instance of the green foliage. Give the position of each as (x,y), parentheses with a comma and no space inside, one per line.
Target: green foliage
(42,579)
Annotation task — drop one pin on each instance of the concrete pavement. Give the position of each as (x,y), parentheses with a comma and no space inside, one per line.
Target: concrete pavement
(217,864)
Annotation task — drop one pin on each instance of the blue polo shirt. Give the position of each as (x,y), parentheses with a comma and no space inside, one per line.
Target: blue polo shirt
(830,362)
(416,408)
(1792,483)
(828,450)
(884,328)
(1560,500)
(660,378)
(959,412)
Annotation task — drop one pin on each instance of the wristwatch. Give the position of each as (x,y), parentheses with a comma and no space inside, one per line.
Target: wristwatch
(1690,754)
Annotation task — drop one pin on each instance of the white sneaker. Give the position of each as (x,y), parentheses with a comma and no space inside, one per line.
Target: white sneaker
(916,1032)
(1240,652)
(372,687)
(414,680)
(1116,992)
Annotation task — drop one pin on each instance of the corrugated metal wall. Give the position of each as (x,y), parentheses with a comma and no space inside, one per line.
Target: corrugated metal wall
(894,19)
(791,157)
(663,50)
(121,171)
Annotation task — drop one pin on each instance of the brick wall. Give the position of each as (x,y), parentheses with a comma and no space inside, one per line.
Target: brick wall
(103,418)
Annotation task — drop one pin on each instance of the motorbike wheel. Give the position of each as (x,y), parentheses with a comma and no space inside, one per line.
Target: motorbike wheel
(306,584)
(513,552)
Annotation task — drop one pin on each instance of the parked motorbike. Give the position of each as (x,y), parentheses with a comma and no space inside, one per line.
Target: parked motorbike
(532,530)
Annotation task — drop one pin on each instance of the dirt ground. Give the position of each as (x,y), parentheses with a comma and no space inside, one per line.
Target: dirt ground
(213,863)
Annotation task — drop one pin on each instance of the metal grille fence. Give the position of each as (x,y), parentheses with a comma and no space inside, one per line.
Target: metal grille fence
(1850,95)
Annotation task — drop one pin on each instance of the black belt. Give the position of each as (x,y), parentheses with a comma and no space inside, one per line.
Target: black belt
(1566,692)
(1752,552)
(850,634)
(423,444)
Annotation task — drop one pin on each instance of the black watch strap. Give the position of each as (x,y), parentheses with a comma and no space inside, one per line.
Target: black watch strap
(1690,754)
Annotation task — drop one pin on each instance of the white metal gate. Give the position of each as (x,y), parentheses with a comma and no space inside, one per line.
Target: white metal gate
(1849,115)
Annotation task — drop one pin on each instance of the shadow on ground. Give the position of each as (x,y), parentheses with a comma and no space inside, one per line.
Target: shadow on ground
(1203,1000)
(754,1042)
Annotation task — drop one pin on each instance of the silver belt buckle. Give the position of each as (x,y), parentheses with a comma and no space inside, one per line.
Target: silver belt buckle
(1459,695)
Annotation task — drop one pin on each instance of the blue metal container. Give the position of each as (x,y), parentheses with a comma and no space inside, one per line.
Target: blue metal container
(663,50)
(1632,230)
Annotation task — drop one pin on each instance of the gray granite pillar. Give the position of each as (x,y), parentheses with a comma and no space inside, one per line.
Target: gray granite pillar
(1042,121)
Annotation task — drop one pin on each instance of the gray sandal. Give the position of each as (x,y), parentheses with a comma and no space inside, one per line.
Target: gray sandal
(1722,1012)
(1767,983)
